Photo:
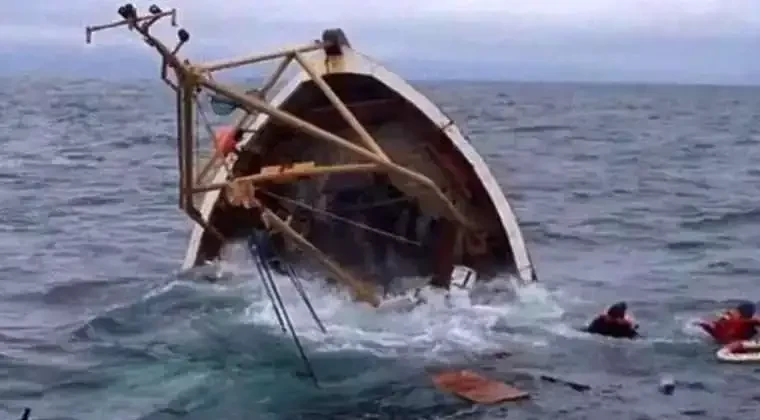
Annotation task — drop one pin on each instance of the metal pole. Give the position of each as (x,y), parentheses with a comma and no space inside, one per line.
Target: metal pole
(228,64)
(257,104)
(341,107)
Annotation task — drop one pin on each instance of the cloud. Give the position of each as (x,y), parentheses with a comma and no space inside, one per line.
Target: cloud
(654,35)
(661,15)
(541,18)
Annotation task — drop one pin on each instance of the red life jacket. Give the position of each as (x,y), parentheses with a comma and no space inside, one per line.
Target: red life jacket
(225,140)
(731,326)
(613,327)
(625,323)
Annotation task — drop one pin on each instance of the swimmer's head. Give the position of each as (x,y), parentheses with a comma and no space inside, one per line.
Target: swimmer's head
(617,310)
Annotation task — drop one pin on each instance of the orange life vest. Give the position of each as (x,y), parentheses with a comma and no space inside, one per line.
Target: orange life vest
(613,327)
(731,326)
(225,140)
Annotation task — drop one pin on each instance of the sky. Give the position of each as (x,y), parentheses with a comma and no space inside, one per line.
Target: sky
(681,41)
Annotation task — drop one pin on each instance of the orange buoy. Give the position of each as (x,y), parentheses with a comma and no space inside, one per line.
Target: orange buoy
(225,140)
(476,388)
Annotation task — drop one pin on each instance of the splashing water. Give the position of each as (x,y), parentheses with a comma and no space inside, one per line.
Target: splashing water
(434,331)
(210,336)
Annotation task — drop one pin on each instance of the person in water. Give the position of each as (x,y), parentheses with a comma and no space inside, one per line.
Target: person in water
(736,324)
(614,323)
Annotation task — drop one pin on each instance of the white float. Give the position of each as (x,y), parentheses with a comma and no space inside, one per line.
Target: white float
(740,352)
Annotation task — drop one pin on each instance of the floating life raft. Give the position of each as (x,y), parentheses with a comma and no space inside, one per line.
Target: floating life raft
(740,352)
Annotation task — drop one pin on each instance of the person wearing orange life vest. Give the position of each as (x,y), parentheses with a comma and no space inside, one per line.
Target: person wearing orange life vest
(614,323)
(736,324)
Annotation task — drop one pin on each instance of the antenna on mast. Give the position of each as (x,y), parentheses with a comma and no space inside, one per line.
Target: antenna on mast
(185,84)
(142,24)
(129,15)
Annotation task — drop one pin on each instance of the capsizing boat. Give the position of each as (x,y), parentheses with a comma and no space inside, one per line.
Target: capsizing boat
(345,168)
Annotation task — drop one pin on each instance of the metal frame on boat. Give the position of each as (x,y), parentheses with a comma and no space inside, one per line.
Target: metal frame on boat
(259,111)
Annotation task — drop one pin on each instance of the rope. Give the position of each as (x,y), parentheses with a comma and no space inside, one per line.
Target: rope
(342,219)
(379,204)
(252,242)
(299,288)
(294,278)
(277,301)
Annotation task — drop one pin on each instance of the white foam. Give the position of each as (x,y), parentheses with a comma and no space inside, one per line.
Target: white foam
(690,328)
(435,330)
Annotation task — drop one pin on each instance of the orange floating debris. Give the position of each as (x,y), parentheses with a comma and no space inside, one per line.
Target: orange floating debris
(476,388)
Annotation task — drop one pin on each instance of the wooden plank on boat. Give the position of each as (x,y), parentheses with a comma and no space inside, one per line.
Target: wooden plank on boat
(350,118)
(284,173)
(281,173)
(476,388)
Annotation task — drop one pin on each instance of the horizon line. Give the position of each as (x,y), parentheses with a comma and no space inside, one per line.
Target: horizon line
(423,80)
